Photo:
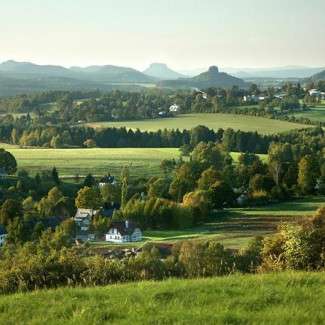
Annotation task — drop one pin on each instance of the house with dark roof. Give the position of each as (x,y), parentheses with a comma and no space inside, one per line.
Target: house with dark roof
(123,232)
(3,235)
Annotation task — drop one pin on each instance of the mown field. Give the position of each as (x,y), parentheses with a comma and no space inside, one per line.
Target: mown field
(98,161)
(212,121)
(282,298)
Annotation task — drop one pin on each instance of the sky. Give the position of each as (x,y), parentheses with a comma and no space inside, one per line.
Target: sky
(185,34)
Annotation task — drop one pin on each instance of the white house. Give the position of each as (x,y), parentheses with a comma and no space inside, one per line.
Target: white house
(174,108)
(3,235)
(123,231)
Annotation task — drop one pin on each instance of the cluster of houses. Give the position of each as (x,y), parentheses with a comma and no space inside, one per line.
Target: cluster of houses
(256,99)
(118,231)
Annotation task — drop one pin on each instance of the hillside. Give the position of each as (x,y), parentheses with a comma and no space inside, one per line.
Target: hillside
(27,68)
(210,78)
(284,298)
(318,76)
(12,84)
(111,73)
(162,71)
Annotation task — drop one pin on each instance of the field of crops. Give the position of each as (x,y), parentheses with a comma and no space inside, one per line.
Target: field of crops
(213,121)
(281,298)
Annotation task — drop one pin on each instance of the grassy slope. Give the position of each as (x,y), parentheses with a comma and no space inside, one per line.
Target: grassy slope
(285,298)
(214,121)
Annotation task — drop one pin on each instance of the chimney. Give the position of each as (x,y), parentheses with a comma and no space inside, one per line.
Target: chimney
(126,224)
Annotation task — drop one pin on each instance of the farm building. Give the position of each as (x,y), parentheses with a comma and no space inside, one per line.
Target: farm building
(123,231)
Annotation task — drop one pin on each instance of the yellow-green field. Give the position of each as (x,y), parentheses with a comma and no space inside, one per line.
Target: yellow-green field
(212,121)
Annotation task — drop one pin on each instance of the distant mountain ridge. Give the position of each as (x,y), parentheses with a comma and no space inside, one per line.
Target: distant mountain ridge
(211,78)
(106,73)
(162,71)
(111,73)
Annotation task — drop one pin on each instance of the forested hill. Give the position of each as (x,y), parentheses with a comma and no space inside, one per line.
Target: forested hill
(211,78)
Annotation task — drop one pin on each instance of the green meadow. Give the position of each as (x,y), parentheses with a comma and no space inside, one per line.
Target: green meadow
(143,162)
(98,161)
(315,114)
(281,298)
(212,121)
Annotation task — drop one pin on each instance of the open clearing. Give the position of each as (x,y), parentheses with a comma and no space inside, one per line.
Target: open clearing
(212,121)
(281,298)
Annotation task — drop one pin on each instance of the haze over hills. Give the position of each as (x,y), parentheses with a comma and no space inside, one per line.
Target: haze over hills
(318,76)
(163,72)
(20,77)
(111,73)
(210,78)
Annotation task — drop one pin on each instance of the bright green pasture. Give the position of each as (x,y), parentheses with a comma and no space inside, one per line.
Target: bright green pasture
(315,114)
(213,121)
(98,161)
(280,298)
(305,206)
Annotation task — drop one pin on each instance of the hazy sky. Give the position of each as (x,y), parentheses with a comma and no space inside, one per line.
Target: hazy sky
(182,33)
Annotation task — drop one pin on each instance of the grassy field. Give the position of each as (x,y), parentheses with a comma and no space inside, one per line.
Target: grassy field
(213,121)
(316,114)
(98,161)
(282,298)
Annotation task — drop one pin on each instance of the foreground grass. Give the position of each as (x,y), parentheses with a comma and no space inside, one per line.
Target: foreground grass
(285,298)
(212,121)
